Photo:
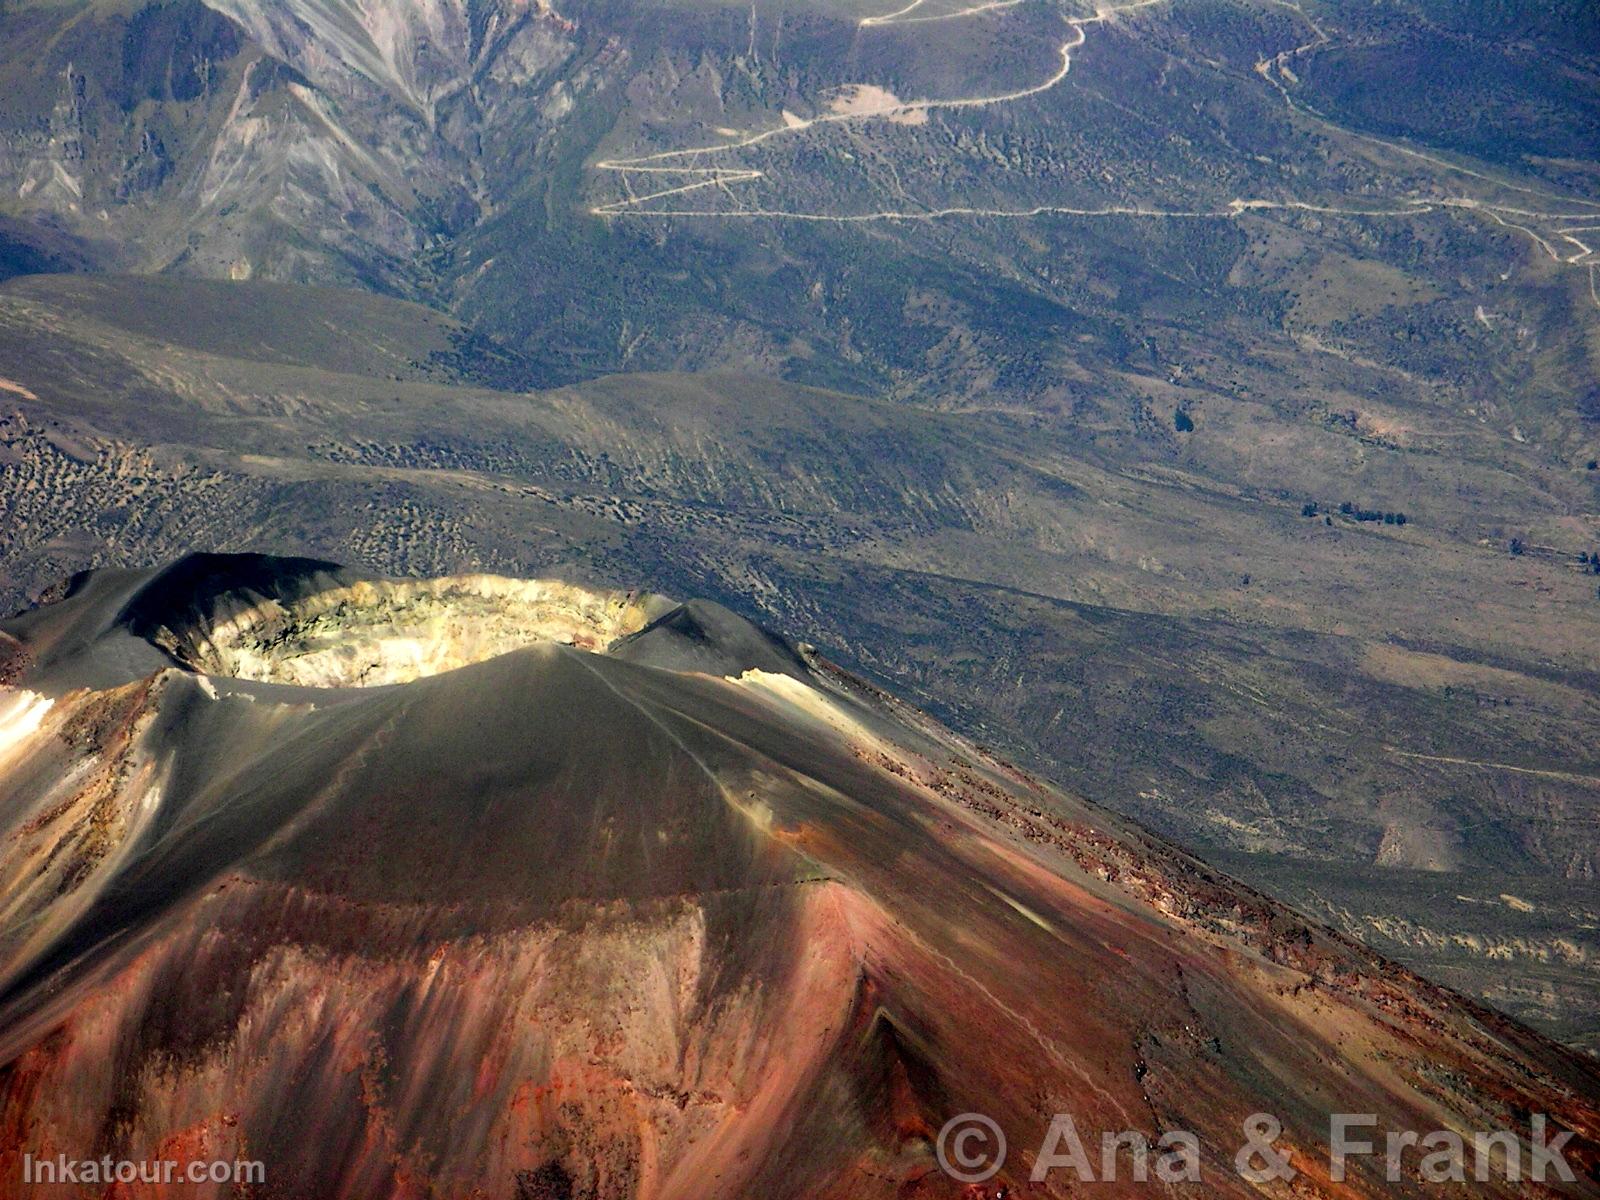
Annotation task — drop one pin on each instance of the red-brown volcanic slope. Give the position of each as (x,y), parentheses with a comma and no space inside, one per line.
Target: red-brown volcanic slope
(697,917)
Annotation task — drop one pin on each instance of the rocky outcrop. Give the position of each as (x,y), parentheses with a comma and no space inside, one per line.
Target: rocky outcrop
(368,634)
(307,141)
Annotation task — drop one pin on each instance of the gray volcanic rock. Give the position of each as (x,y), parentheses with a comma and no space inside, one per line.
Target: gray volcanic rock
(302,141)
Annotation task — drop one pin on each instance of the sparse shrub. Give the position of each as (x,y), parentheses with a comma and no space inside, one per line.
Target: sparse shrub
(1182,421)
(1349,509)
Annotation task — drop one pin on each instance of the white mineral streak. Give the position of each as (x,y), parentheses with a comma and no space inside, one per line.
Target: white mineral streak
(803,700)
(21,714)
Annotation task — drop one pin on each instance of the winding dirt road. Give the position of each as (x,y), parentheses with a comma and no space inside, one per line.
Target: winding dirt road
(1558,238)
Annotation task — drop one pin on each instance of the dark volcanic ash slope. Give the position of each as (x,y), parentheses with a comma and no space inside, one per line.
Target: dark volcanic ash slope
(1392,727)
(474,885)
